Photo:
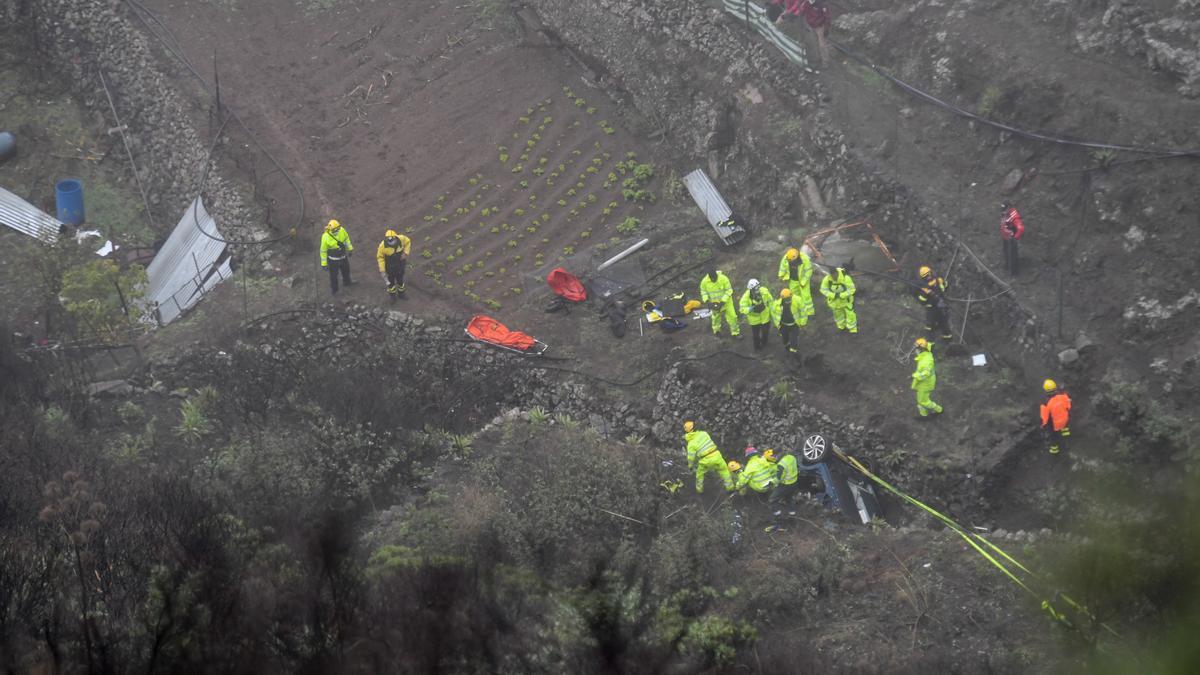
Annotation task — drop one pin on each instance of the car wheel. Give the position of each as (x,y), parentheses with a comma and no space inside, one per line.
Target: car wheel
(815,449)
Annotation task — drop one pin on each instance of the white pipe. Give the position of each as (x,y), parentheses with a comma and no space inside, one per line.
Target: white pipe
(622,255)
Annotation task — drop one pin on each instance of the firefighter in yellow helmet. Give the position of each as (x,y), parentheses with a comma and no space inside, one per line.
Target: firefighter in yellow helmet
(838,289)
(392,256)
(924,379)
(703,457)
(784,494)
(788,314)
(931,293)
(335,253)
(1056,416)
(795,270)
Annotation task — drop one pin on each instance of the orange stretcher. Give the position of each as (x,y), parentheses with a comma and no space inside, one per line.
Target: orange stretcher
(490,331)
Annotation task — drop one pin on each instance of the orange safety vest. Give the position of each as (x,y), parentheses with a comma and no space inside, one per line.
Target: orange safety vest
(1058,410)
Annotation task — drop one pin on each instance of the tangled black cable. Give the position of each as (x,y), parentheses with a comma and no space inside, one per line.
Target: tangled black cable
(1024,133)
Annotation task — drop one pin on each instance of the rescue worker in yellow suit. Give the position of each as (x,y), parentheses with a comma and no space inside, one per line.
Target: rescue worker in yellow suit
(703,457)
(788,315)
(758,305)
(758,474)
(784,493)
(717,293)
(924,379)
(335,253)
(795,270)
(392,256)
(838,289)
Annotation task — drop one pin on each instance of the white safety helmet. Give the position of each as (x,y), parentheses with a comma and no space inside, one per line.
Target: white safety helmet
(752,284)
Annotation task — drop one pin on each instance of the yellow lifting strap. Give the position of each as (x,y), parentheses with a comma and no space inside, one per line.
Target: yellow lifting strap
(972,538)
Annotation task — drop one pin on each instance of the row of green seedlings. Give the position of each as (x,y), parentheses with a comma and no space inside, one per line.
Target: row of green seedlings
(633,190)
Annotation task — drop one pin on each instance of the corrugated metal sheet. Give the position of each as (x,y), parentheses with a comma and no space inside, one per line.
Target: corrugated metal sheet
(757,17)
(26,218)
(186,265)
(705,194)
(718,213)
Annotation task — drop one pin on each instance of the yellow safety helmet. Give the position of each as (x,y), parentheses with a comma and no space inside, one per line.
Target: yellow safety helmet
(792,253)
(785,293)
(688,426)
(391,234)
(926,271)
(1049,386)
(921,343)
(769,455)
(734,466)
(332,225)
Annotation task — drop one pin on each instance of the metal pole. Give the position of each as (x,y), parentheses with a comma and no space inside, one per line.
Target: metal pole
(962,333)
(622,255)
(1060,304)
(245,297)
(132,164)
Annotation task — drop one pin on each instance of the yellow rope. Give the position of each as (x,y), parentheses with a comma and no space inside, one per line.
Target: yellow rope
(971,537)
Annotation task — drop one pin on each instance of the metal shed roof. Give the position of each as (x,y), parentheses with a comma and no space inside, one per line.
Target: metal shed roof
(186,265)
(26,218)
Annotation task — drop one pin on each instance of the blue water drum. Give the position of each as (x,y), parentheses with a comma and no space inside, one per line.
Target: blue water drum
(8,146)
(68,199)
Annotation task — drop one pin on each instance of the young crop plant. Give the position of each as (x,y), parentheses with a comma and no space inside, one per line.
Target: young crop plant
(629,225)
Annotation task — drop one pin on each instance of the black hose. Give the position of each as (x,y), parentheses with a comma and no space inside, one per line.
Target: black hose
(1024,133)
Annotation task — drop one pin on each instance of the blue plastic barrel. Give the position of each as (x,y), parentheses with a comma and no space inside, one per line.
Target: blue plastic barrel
(68,199)
(8,146)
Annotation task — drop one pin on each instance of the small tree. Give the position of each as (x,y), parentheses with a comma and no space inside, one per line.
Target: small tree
(104,299)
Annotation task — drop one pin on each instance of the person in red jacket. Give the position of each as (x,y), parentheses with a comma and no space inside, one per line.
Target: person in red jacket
(781,9)
(1056,416)
(1011,230)
(818,17)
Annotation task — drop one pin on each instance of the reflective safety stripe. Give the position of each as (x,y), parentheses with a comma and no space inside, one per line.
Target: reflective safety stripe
(707,449)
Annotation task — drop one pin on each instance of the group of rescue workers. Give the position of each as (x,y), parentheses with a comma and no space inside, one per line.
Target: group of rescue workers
(391,255)
(790,310)
(764,473)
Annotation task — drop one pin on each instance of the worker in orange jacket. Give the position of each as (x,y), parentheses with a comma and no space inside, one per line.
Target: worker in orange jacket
(1056,416)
